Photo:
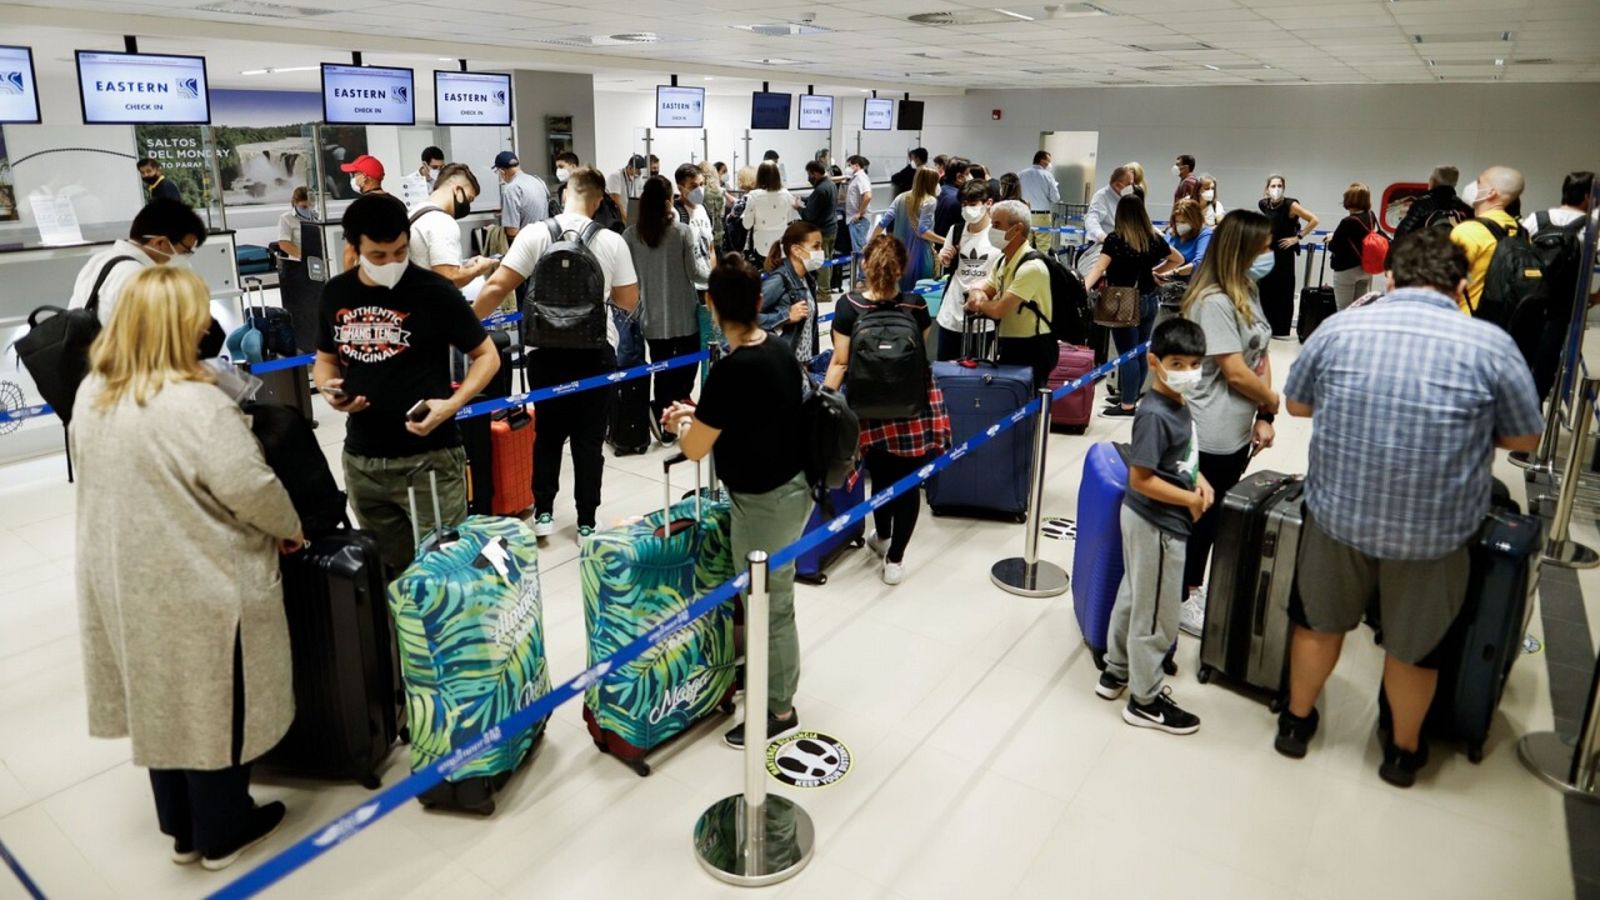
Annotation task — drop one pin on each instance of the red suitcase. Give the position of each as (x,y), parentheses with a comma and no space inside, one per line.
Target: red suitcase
(511,434)
(1072,412)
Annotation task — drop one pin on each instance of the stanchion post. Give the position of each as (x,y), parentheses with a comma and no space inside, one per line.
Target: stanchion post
(1561,550)
(751,839)
(1027,575)
(1571,769)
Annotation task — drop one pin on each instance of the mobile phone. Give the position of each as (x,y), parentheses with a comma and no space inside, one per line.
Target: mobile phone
(336,393)
(418,412)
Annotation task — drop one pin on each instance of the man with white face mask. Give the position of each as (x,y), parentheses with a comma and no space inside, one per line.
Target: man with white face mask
(165,232)
(1017,295)
(1497,188)
(969,259)
(1101,217)
(381,343)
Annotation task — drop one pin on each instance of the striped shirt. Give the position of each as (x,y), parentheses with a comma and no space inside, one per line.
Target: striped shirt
(1408,395)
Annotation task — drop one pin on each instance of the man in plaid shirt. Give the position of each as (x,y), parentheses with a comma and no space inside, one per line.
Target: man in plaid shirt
(1408,400)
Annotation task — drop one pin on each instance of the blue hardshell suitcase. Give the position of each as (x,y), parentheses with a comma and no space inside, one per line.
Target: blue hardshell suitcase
(812,566)
(992,479)
(1097,551)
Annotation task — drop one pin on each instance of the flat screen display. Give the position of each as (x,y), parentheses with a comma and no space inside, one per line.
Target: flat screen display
(910,115)
(368,95)
(769,111)
(142,88)
(816,112)
(471,98)
(879,115)
(680,107)
(19,90)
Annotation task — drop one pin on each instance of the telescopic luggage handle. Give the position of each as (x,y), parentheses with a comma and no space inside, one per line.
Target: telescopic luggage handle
(441,533)
(666,478)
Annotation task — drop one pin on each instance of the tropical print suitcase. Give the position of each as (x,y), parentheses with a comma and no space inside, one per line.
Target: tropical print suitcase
(635,576)
(469,621)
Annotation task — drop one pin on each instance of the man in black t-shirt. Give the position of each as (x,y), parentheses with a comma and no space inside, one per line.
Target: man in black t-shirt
(382,343)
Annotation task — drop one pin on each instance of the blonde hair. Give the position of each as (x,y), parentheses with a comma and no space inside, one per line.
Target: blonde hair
(924,187)
(1239,238)
(746,178)
(1137,172)
(153,338)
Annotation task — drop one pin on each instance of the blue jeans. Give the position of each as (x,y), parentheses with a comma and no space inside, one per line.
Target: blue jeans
(1131,375)
(858,236)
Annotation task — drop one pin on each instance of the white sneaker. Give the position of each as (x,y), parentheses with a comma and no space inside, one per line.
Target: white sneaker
(1192,615)
(893,573)
(544,525)
(879,546)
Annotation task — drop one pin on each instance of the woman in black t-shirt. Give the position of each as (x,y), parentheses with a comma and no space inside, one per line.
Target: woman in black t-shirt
(1131,256)
(749,416)
(1350,280)
(1277,286)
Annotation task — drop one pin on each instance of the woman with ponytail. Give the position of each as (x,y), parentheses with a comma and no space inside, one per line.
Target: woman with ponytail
(789,291)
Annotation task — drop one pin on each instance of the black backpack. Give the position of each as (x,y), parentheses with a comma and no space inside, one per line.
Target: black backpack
(736,238)
(566,303)
(55,351)
(291,449)
(1447,217)
(833,439)
(1515,295)
(888,374)
(1561,251)
(1068,300)
(608,215)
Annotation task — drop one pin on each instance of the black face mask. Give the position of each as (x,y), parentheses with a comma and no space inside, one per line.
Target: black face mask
(150,179)
(463,207)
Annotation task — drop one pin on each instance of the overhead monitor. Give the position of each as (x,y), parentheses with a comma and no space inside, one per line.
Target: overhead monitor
(142,89)
(471,98)
(910,115)
(368,95)
(19,90)
(680,107)
(816,112)
(770,111)
(879,115)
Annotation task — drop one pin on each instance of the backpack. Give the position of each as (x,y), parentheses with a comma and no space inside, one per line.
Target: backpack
(736,238)
(566,302)
(55,351)
(291,450)
(888,374)
(1447,218)
(1561,250)
(833,439)
(1074,316)
(1374,250)
(608,215)
(1515,294)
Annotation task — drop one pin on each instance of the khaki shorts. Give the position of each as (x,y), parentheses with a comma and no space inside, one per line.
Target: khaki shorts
(1417,599)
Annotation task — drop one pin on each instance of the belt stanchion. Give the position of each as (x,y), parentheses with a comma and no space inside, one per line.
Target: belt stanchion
(1562,550)
(1027,575)
(1573,769)
(752,839)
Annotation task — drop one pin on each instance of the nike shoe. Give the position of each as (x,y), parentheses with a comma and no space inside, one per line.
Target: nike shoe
(544,525)
(1110,686)
(1161,714)
(584,531)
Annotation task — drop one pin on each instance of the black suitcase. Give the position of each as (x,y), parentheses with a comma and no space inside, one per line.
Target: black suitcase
(1316,303)
(302,297)
(1247,627)
(346,692)
(629,429)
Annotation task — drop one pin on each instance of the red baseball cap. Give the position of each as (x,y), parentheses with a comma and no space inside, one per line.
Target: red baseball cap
(366,165)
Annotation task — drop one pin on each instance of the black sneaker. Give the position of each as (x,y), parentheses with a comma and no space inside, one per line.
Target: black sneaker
(776,728)
(1294,733)
(1118,412)
(1161,714)
(1399,767)
(264,820)
(1110,686)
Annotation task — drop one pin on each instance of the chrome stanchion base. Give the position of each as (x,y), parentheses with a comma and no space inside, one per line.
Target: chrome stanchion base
(1546,755)
(1016,576)
(1570,555)
(787,845)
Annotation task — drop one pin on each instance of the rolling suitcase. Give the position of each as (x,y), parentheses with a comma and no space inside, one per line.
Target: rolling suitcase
(812,566)
(1252,583)
(629,430)
(635,576)
(345,693)
(1072,412)
(470,622)
(511,437)
(1316,303)
(993,479)
(1097,551)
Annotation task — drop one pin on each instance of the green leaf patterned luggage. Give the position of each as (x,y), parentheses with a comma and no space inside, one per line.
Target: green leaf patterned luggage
(469,621)
(636,576)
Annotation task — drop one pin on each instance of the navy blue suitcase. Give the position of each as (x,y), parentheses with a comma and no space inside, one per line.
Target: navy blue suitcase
(812,566)
(1097,551)
(993,479)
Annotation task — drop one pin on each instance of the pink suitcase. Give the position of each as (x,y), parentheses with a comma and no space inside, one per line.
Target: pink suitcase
(1072,412)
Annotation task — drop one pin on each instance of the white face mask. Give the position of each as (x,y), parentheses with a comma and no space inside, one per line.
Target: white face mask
(387,275)
(1127,191)
(1182,383)
(562,175)
(1184,228)
(1275,193)
(1175,169)
(814,260)
(1208,196)
(1469,194)
(973,214)
(998,239)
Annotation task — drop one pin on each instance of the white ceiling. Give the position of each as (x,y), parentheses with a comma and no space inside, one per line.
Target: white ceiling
(1115,42)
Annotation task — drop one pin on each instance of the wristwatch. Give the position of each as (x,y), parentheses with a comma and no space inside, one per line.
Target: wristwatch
(1265,417)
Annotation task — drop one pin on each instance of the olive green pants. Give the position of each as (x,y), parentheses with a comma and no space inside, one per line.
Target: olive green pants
(770,522)
(377,488)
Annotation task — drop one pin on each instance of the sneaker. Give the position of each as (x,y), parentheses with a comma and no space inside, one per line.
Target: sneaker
(893,572)
(184,857)
(879,546)
(544,525)
(776,728)
(1118,412)
(1110,686)
(264,820)
(1192,615)
(584,531)
(1399,767)
(1295,733)
(1161,714)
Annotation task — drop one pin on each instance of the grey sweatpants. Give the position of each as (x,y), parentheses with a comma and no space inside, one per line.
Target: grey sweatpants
(1144,622)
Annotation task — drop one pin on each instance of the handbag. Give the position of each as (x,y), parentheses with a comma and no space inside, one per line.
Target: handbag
(1172,293)
(1117,307)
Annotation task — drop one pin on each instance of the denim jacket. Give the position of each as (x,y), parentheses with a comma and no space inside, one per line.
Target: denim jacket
(781,290)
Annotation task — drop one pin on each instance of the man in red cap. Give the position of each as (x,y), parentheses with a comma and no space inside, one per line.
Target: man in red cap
(366,174)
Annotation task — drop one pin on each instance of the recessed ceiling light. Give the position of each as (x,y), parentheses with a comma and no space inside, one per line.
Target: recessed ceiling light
(709,78)
(1211,67)
(278,71)
(1014,15)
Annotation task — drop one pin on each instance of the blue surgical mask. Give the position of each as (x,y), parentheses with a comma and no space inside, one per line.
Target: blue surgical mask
(306,212)
(697,196)
(1262,266)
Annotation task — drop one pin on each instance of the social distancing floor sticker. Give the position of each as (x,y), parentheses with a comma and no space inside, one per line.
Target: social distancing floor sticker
(808,759)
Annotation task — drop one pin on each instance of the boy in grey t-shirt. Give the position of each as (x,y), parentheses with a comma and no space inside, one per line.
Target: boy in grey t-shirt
(1166,493)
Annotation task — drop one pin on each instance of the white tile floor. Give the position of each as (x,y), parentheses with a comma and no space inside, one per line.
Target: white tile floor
(984,766)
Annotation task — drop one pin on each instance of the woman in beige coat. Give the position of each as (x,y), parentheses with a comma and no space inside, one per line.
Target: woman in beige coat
(180,522)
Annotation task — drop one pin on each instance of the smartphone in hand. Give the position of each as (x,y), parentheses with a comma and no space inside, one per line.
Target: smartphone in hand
(418,412)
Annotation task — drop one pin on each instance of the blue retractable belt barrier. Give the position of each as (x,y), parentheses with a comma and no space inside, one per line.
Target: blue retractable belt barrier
(21,873)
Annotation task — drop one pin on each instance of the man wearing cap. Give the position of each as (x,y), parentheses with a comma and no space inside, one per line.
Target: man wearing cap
(366,174)
(626,185)
(524,199)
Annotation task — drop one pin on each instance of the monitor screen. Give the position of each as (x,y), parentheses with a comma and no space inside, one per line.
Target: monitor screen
(816,112)
(910,115)
(879,115)
(367,95)
(471,98)
(680,107)
(142,88)
(19,90)
(770,111)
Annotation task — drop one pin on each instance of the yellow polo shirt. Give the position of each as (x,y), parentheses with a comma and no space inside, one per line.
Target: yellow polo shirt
(1479,246)
(1030,281)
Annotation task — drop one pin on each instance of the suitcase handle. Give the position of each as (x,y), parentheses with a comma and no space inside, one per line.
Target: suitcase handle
(441,533)
(666,478)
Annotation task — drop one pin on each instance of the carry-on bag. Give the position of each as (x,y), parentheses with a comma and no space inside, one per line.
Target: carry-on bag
(290,447)
(629,429)
(268,334)
(511,438)
(811,567)
(1072,412)
(301,295)
(1316,303)
(1247,627)
(1097,550)
(470,622)
(993,479)
(635,576)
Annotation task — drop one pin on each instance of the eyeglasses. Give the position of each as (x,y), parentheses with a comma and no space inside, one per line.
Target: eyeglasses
(178,249)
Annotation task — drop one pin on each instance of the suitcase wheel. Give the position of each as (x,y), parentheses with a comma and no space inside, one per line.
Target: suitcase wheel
(1275,705)
(726,707)
(1475,752)
(372,782)
(640,767)
(858,543)
(1099,657)
(1020,518)
(1204,676)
